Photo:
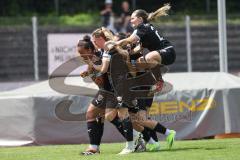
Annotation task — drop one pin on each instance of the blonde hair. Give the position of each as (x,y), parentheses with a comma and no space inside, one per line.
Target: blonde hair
(163,11)
(147,17)
(103,32)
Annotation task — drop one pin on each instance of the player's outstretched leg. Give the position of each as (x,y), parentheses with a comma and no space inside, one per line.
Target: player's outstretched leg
(128,131)
(152,145)
(95,128)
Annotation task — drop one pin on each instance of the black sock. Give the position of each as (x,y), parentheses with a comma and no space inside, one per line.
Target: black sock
(160,128)
(100,130)
(145,134)
(128,129)
(93,132)
(118,124)
(152,134)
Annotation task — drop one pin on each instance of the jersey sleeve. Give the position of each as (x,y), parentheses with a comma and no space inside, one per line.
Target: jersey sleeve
(106,55)
(139,32)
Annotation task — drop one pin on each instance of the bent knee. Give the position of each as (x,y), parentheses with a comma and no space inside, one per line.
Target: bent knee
(109,116)
(153,61)
(90,116)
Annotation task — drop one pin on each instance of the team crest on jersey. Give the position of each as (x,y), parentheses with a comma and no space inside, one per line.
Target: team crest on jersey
(119,99)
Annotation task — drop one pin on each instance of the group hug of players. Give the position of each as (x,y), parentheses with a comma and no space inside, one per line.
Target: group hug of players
(131,120)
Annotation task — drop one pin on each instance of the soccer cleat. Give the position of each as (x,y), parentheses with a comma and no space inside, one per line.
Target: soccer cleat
(153,147)
(136,138)
(167,87)
(140,147)
(158,86)
(161,87)
(90,151)
(139,143)
(170,138)
(126,151)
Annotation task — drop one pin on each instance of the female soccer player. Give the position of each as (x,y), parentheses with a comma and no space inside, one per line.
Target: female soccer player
(99,38)
(153,125)
(139,113)
(104,97)
(160,49)
(96,109)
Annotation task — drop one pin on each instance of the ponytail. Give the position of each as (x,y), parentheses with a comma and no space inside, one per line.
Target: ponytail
(147,17)
(160,12)
(108,33)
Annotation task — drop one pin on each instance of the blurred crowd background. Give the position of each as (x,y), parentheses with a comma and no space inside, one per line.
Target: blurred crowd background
(73,7)
(87,12)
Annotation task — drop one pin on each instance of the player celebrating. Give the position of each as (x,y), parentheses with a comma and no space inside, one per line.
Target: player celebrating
(160,49)
(140,120)
(96,109)
(122,116)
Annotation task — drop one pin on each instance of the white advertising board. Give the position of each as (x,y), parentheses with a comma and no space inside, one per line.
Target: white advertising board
(61,48)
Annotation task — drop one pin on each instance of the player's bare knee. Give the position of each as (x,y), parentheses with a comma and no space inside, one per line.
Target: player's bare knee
(90,116)
(140,120)
(109,116)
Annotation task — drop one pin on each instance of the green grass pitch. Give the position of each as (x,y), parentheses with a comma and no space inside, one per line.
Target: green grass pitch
(224,149)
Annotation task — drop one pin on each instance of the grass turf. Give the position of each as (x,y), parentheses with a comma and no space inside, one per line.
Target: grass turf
(224,149)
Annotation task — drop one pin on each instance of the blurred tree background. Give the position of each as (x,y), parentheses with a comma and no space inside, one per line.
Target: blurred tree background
(86,12)
(71,7)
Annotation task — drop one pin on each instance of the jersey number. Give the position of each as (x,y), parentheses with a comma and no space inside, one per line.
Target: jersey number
(156,32)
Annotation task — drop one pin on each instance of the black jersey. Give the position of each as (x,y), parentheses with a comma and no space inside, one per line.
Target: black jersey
(150,38)
(109,55)
(135,56)
(106,84)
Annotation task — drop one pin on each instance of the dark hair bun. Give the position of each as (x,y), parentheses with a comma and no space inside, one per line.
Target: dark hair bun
(87,38)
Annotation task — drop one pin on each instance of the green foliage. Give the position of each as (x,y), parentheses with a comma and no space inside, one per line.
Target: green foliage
(81,19)
(13,21)
(63,7)
(93,19)
(86,12)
